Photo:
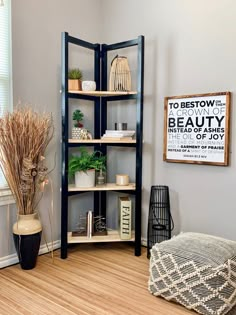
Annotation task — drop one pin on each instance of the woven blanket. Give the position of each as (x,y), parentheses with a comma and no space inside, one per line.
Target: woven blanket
(195,270)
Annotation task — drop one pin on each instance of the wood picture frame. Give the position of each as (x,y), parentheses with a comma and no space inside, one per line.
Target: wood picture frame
(196,129)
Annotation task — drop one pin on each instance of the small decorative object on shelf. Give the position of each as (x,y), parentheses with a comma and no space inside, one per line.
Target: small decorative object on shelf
(78,117)
(120,78)
(160,222)
(121,126)
(100,225)
(90,224)
(74,79)
(78,132)
(125,218)
(81,227)
(101,177)
(88,85)
(81,134)
(122,179)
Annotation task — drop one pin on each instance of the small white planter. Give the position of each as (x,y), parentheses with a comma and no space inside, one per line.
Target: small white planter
(86,180)
(88,85)
(77,133)
(81,133)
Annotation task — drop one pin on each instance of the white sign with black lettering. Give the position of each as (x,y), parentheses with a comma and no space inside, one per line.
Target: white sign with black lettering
(197,128)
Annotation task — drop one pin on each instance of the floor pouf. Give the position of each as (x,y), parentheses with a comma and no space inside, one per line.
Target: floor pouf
(195,270)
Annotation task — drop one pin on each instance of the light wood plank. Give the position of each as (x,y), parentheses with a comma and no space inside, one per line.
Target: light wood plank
(101,141)
(112,236)
(108,186)
(103,93)
(95,279)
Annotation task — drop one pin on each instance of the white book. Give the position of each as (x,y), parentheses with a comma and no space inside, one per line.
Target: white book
(120,132)
(113,135)
(125,217)
(116,136)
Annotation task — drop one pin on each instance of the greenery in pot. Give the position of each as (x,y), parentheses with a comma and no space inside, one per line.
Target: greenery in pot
(86,161)
(75,74)
(78,117)
(24,137)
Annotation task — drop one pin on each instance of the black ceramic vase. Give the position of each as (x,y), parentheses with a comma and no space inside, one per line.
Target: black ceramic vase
(27,237)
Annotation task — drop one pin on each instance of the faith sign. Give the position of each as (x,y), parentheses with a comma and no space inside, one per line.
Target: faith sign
(196,129)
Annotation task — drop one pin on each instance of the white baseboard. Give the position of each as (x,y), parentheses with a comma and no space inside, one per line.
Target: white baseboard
(8,260)
(44,249)
(13,259)
(144,242)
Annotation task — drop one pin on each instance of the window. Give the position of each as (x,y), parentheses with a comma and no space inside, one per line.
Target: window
(5,64)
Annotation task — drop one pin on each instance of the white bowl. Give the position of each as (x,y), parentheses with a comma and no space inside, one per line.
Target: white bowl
(88,85)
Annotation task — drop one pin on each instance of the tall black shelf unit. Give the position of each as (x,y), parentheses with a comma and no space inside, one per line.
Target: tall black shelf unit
(100,99)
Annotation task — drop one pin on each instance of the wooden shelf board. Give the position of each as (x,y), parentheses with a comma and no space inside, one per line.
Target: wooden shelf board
(108,186)
(112,236)
(102,93)
(101,141)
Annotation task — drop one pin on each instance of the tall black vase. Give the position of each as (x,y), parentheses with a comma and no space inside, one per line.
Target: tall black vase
(27,237)
(27,248)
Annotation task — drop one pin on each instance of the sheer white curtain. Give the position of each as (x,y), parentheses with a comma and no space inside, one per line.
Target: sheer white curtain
(5,64)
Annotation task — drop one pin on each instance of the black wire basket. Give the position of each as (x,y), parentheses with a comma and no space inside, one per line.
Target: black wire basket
(160,222)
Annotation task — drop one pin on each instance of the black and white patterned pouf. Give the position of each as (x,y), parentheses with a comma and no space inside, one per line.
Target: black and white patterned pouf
(195,270)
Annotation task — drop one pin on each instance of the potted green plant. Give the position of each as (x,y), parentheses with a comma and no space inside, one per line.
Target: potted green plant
(78,117)
(24,137)
(74,79)
(83,167)
(78,132)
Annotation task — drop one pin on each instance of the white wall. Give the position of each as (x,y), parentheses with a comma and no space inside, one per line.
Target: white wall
(190,49)
(37,27)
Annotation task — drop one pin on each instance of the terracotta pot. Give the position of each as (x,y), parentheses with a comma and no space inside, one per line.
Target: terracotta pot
(74,85)
(27,236)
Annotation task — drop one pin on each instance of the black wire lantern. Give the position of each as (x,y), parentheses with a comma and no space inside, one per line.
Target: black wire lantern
(160,222)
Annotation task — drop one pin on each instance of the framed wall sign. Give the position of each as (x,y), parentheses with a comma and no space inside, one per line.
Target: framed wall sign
(196,129)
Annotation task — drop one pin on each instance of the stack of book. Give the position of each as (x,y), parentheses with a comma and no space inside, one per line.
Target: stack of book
(118,135)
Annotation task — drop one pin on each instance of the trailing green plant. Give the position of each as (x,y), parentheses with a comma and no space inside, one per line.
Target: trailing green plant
(86,161)
(78,117)
(75,74)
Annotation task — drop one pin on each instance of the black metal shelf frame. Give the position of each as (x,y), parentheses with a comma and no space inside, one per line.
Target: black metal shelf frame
(100,125)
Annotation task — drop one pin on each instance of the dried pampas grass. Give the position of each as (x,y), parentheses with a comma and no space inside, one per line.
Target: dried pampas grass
(24,137)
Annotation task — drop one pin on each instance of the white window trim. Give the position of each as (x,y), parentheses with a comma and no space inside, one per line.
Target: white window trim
(11,72)
(6,196)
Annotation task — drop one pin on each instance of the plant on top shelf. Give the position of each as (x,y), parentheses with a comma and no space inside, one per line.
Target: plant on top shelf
(74,79)
(75,74)
(84,167)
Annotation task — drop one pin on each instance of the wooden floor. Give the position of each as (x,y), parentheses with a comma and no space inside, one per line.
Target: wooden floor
(95,279)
